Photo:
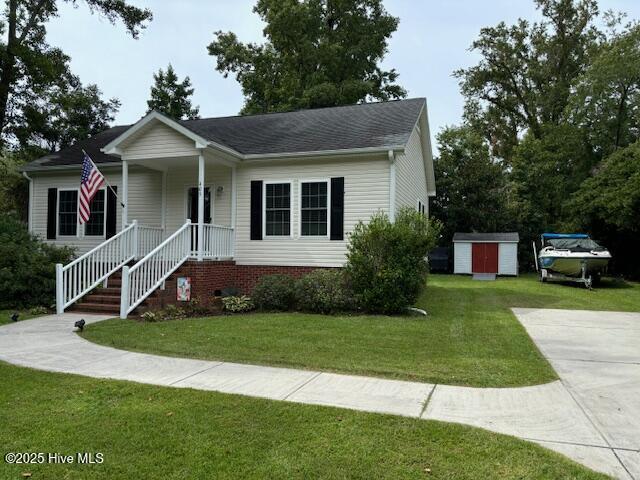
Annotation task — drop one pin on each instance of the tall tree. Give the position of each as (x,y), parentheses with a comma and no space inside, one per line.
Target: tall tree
(317,53)
(172,97)
(29,65)
(470,186)
(64,117)
(526,71)
(607,99)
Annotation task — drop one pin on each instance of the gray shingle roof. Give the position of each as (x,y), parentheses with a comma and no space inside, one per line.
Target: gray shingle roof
(369,125)
(486,237)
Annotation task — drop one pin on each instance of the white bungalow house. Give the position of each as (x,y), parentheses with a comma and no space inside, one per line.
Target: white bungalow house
(226,200)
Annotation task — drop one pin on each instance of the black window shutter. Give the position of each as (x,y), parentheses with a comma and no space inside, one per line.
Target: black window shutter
(112,212)
(52,207)
(256,210)
(337,208)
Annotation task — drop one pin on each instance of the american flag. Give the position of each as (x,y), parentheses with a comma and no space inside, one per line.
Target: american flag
(90,182)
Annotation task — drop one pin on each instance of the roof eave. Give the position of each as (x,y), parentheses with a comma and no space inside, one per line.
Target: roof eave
(325,153)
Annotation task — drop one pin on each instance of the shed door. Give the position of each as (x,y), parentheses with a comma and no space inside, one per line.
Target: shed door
(484,258)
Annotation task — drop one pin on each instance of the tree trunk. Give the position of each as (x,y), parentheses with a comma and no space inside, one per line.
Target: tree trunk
(7,65)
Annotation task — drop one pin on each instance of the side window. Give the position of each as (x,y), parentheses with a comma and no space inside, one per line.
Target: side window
(95,225)
(277,209)
(313,208)
(67,212)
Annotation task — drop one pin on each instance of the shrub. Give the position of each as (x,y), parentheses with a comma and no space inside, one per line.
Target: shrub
(387,262)
(27,266)
(275,292)
(235,304)
(195,308)
(39,310)
(324,291)
(151,316)
(172,312)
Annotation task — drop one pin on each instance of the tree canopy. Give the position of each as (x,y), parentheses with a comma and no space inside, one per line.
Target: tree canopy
(317,53)
(172,97)
(555,107)
(34,74)
(470,184)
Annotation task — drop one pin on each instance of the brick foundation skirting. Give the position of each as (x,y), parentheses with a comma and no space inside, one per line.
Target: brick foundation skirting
(208,278)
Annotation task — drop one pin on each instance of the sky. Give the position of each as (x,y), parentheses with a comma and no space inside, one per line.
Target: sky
(432,41)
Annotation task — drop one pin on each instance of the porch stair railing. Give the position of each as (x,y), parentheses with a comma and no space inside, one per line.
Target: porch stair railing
(149,273)
(86,272)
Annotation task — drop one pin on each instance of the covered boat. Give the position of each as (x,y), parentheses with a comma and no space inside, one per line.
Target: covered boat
(573,256)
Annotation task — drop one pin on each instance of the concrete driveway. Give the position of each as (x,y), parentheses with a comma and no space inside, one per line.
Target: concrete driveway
(597,356)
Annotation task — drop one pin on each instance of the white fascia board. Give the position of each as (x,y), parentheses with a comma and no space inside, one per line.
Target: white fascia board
(325,153)
(76,166)
(485,241)
(422,125)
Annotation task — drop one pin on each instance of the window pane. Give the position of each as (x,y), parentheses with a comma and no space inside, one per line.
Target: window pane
(67,212)
(95,225)
(314,209)
(278,209)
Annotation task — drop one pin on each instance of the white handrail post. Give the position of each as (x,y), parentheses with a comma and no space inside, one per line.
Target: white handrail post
(124,292)
(135,239)
(200,205)
(59,289)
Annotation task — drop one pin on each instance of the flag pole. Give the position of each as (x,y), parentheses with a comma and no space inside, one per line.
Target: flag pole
(105,178)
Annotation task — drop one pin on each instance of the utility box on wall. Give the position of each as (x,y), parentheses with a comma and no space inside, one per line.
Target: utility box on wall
(479,253)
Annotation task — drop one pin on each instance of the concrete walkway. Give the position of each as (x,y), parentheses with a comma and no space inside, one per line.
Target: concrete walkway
(552,415)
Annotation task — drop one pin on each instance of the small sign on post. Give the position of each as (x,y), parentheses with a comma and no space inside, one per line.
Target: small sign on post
(184,289)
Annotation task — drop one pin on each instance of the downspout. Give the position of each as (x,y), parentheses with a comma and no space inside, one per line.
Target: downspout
(30,206)
(392,185)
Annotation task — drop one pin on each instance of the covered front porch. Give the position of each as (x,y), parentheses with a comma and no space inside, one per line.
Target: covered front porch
(177,199)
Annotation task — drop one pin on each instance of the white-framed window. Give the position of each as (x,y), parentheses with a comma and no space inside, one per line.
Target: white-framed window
(422,207)
(314,208)
(277,209)
(96,225)
(67,213)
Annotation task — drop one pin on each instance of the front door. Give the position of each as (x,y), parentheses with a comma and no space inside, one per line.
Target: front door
(192,211)
(484,258)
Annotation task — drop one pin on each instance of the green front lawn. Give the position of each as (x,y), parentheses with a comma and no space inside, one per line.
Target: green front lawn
(469,338)
(5,315)
(146,431)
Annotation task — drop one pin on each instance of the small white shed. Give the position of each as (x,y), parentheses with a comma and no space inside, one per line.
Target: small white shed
(485,253)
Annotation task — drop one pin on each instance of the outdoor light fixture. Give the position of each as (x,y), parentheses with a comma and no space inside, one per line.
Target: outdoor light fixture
(15,316)
(219,190)
(79,324)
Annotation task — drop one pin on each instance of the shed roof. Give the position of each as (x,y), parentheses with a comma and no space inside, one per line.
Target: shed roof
(486,237)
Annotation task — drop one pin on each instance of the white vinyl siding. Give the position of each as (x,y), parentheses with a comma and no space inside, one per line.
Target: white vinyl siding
(144,201)
(411,180)
(462,257)
(366,186)
(508,259)
(157,140)
(180,179)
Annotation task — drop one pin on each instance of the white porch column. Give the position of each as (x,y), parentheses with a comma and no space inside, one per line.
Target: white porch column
(163,220)
(233,197)
(392,186)
(125,193)
(200,205)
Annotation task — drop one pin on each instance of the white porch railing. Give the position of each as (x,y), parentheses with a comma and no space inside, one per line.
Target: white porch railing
(148,239)
(139,281)
(86,272)
(218,241)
